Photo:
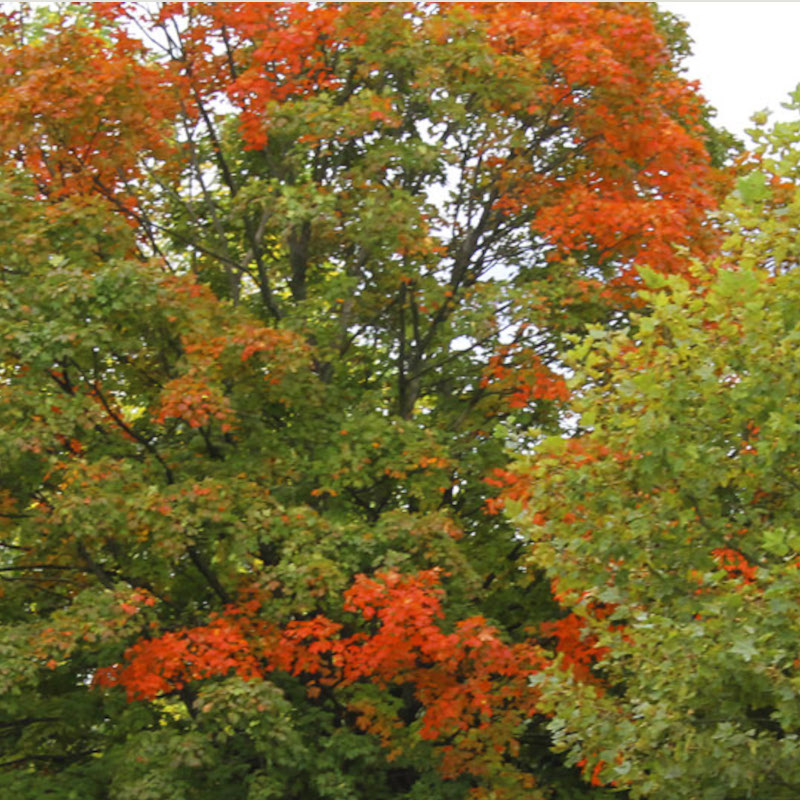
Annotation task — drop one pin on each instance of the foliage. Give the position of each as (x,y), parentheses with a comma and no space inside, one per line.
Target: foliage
(668,522)
(277,284)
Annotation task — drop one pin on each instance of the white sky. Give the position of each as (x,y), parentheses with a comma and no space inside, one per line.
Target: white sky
(746,56)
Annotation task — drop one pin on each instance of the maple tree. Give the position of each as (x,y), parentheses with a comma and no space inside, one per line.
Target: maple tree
(680,490)
(280,283)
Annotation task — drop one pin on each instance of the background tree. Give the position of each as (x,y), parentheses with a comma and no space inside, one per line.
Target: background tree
(668,523)
(272,277)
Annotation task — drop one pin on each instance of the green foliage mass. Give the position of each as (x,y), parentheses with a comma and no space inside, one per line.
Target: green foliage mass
(674,509)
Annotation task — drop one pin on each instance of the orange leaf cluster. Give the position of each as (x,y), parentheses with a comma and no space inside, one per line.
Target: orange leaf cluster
(576,646)
(610,74)
(735,564)
(465,679)
(191,399)
(84,128)
(523,377)
(166,664)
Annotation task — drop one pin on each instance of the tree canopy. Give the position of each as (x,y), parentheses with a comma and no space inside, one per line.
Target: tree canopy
(667,522)
(284,290)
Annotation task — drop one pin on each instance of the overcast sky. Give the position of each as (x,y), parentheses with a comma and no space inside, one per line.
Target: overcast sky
(746,56)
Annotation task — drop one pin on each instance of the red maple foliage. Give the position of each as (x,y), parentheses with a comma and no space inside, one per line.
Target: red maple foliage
(465,679)
(285,339)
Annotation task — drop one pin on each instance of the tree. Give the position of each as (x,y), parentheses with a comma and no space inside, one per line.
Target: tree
(668,522)
(278,282)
